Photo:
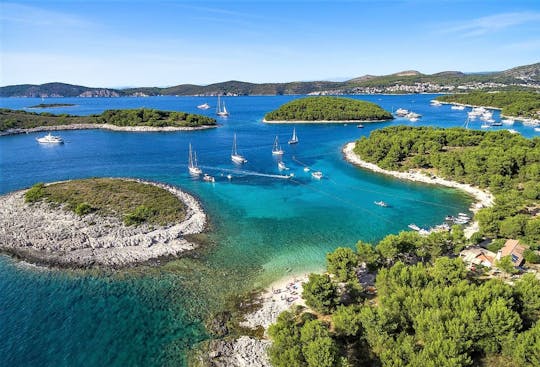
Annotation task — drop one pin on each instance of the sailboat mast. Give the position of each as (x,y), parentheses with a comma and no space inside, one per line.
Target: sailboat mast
(190,157)
(234,145)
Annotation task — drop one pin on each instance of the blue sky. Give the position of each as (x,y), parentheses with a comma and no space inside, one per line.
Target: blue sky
(164,43)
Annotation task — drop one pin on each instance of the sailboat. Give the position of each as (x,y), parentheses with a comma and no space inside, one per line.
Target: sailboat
(276,149)
(294,139)
(221,110)
(235,157)
(192,165)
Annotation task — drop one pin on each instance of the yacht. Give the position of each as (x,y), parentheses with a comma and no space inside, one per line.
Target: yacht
(235,157)
(294,138)
(360,126)
(203,106)
(50,139)
(306,169)
(221,110)
(414,227)
(436,103)
(317,174)
(401,112)
(282,166)
(537,129)
(192,165)
(508,121)
(381,203)
(276,149)
(457,107)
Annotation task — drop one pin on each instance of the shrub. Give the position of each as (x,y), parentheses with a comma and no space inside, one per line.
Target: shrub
(35,193)
(83,209)
(140,215)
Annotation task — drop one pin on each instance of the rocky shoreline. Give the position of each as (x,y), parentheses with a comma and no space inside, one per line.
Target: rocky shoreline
(483,198)
(53,236)
(519,118)
(105,127)
(319,121)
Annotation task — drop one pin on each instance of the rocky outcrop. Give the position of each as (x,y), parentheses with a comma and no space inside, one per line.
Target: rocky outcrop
(242,352)
(43,233)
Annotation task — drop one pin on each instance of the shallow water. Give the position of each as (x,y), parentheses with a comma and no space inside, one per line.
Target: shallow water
(262,227)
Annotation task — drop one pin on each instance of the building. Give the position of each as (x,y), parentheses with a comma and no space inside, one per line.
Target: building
(475,255)
(513,249)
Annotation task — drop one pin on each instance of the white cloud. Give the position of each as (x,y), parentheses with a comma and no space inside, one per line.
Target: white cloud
(34,16)
(492,23)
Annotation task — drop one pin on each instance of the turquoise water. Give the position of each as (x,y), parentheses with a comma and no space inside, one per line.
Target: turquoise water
(261,227)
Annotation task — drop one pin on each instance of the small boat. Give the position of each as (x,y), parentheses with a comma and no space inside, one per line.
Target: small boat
(317,174)
(203,106)
(381,203)
(457,107)
(221,110)
(413,119)
(235,157)
(192,165)
(508,121)
(50,139)
(276,149)
(514,131)
(463,215)
(306,169)
(537,129)
(496,123)
(229,176)
(485,126)
(450,217)
(360,126)
(208,178)
(414,227)
(282,166)
(294,138)
(436,103)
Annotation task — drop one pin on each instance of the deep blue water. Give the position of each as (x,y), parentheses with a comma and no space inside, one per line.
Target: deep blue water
(261,226)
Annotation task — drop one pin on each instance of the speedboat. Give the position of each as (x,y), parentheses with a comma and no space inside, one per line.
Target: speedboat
(360,126)
(381,203)
(203,106)
(306,169)
(401,112)
(50,139)
(282,166)
(208,178)
(317,174)
(436,103)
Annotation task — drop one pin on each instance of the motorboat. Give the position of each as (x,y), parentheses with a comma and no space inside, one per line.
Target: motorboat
(457,107)
(208,178)
(401,112)
(282,166)
(381,203)
(360,126)
(317,174)
(203,106)
(436,103)
(306,169)
(414,227)
(50,139)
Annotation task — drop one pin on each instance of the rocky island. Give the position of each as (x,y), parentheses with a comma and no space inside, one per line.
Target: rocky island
(141,119)
(327,110)
(98,222)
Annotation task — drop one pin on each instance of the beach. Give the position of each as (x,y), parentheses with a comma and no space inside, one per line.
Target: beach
(48,235)
(105,127)
(483,198)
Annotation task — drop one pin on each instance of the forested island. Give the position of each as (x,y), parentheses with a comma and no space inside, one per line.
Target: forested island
(511,103)
(327,109)
(506,164)
(98,222)
(16,121)
(52,105)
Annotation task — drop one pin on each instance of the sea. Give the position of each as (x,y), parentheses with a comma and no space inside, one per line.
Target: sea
(262,226)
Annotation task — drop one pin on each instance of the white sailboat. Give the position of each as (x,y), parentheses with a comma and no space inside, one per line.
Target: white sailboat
(276,149)
(192,165)
(235,157)
(294,138)
(221,109)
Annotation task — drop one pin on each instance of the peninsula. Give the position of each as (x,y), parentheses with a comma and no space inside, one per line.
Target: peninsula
(327,110)
(98,222)
(52,105)
(142,119)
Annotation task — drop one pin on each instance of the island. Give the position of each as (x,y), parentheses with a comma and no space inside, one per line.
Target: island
(52,105)
(98,222)
(326,109)
(516,104)
(141,119)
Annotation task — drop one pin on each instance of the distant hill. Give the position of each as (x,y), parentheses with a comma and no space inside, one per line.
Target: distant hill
(409,81)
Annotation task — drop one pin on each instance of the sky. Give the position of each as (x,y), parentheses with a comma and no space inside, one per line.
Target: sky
(127,43)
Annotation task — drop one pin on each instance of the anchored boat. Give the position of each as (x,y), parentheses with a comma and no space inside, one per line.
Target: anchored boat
(235,157)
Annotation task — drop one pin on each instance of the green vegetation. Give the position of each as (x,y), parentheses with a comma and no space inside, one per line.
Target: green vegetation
(511,103)
(428,311)
(133,202)
(52,105)
(328,109)
(507,164)
(15,119)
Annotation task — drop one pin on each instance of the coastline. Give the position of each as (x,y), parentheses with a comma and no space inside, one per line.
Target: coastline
(319,121)
(44,235)
(483,198)
(105,127)
(519,118)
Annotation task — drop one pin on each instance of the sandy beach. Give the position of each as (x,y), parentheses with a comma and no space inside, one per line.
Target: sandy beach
(483,198)
(44,234)
(105,127)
